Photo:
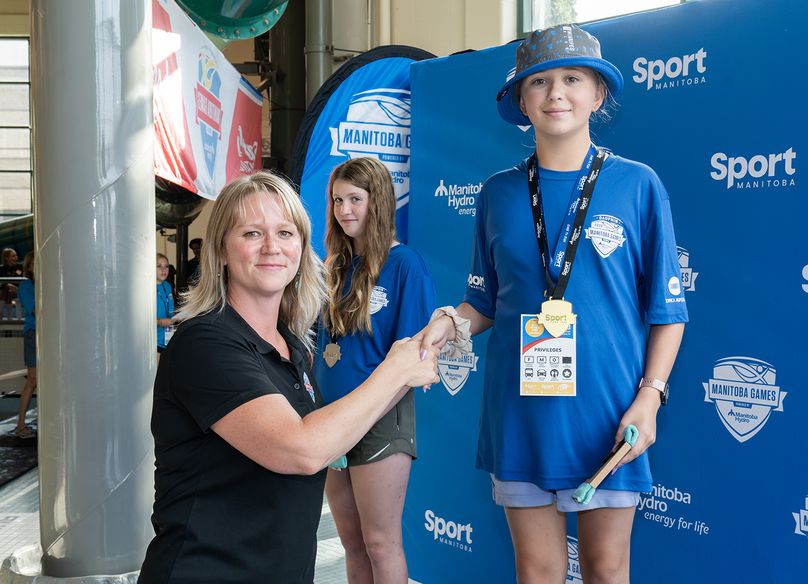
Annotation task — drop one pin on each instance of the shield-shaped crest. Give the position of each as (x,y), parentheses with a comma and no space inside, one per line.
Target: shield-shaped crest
(606,233)
(745,394)
(454,371)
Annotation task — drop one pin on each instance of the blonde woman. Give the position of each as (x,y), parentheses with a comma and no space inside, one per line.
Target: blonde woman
(241,437)
(378,291)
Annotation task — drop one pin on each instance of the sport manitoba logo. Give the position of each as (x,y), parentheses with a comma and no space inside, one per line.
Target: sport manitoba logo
(454,371)
(378,125)
(573,566)
(674,72)
(744,392)
(606,233)
(801,520)
(687,273)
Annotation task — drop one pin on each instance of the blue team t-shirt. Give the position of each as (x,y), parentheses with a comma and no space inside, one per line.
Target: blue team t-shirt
(625,277)
(165,309)
(27,298)
(401,303)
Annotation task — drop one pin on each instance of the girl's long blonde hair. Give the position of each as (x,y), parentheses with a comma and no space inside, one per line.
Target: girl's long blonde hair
(350,312)
(303,297)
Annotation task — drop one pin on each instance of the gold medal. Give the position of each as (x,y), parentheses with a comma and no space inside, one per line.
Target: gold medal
(331,354)
(556,316)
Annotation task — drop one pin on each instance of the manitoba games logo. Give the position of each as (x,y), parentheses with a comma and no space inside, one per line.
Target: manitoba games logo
(606,233)
(454,371)
(378,125)
(801,520)
(744,392)
(207,95)
(687,273)
(573,566)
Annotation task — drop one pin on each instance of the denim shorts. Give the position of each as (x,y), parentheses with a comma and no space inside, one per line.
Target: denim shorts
(519,494)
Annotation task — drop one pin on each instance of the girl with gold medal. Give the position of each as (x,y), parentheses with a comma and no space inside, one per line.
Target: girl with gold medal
(576,254)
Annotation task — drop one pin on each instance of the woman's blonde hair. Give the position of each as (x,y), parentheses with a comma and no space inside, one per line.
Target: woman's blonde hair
(303,297)
(351,312)
(162,256)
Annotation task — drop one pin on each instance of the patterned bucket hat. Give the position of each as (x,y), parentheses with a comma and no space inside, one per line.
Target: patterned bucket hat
(565,45)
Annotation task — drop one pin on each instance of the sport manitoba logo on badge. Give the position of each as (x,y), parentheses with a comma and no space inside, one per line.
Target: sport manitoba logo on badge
(744,392)
(454,371)
(606,233)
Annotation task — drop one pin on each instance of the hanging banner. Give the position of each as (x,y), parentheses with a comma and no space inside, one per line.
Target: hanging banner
(207,118)
(361,110)
(729,501)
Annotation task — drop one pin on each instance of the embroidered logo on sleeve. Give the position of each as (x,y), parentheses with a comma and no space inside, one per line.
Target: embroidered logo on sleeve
(606,233)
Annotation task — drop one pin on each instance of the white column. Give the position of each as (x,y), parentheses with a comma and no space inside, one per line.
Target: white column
(95,276)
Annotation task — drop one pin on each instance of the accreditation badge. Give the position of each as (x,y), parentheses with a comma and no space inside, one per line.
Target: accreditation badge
(547,361)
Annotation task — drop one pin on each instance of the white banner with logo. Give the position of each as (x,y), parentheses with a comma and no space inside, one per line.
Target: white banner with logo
(207,118)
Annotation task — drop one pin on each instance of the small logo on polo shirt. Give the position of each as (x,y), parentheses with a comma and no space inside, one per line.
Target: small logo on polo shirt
(307,384)
(378,299)
(674,286)
(606,233)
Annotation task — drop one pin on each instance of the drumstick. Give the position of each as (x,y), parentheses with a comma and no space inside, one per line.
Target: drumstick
(584,493)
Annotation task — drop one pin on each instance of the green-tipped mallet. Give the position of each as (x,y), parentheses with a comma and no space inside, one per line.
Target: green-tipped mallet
(584,493)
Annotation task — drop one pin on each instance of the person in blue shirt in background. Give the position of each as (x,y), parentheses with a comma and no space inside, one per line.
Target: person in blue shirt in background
(539,441)
(379,291)
(165,303)
(27,298)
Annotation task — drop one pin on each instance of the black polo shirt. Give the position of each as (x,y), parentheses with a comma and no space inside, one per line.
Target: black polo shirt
(218,516)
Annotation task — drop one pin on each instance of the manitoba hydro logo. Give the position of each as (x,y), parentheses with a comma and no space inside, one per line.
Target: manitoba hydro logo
(745,394)
(378,125)
(677,71)
(460,197)
(207,95)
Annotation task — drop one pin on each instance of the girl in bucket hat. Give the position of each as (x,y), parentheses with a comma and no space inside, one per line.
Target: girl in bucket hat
(575,271)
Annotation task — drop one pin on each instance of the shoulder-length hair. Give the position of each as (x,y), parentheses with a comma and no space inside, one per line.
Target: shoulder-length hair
(28,266)
(303,297)
(350,312)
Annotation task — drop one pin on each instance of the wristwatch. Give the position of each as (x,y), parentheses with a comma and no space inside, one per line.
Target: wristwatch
(661,386)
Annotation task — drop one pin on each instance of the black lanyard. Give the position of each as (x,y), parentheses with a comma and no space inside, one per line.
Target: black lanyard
(591,167)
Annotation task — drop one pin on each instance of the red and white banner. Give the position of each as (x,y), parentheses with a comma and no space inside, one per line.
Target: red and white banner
(207,118)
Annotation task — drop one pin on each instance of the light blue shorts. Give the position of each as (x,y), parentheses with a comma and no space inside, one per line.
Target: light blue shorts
(519,494)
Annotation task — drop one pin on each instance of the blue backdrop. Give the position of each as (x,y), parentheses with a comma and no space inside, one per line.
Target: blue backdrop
(715,103)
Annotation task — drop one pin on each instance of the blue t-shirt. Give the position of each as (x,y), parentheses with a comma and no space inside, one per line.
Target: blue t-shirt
(25,294)
(165,309)
(625,277)
(401,303)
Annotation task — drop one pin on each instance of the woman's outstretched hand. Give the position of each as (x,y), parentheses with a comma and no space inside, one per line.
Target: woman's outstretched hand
(417,367)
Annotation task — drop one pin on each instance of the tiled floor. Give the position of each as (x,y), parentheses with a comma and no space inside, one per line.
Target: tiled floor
(19,526)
